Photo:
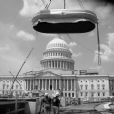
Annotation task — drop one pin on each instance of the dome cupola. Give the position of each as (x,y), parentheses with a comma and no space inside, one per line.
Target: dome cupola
(57,56)
(57,43)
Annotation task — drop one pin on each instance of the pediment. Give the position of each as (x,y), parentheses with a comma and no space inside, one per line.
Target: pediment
(49,74)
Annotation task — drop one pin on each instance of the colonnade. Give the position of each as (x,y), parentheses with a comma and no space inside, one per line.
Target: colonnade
(55,84)
(54,53)
(68,65)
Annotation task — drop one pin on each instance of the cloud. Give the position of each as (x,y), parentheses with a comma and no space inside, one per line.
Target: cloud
(107,50)
(31,7)
(75,55)
(12,50)
(25,36)
(45,35)
(110,37)
(103,11)
(72,44)
(91,34)
(6,47)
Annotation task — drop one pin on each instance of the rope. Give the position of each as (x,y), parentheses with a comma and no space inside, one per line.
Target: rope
(81,3)
(47,4)
(98,41)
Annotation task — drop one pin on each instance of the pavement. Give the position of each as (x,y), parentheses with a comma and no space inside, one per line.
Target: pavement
(105,108)
(80,109)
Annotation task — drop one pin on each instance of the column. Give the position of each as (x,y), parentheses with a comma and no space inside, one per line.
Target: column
(45,84)
(39,84)
(26,84)
(56,84)
(33,84)
(42,85)
(30,84)
(52,84)
(57,64)
(48,64)
(63,65)
(63,84)
(67,85)
(59,83)
(71,84)
(49,84)
(54,63)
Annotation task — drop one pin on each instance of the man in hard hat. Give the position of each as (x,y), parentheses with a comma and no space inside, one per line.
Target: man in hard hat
(46,103)
(56,103)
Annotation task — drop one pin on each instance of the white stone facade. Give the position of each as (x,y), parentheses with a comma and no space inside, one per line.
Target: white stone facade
(6,85)
(58,73)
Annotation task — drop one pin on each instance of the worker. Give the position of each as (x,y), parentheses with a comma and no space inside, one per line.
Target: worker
(46,104)
(56,103)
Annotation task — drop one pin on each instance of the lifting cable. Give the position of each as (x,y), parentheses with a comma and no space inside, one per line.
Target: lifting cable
(47,4)
(98,41)
(81,3)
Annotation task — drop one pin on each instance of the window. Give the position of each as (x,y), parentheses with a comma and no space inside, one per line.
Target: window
(7,86)
(98,86)
(72,94)
(3,86)
(103,86)
(81,86)
(16,86)
(69,95)
(86,87)
(92,86)
(65,94)
(103,94)
(92,94)
(86,93)
(81,94)
(98,93)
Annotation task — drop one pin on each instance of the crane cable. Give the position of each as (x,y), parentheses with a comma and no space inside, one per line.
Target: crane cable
(47,4)
(81,3)
(99,50)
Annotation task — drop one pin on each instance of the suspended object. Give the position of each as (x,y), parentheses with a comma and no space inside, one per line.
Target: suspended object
(64,21)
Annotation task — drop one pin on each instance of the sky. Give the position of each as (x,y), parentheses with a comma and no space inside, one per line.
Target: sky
(17,36)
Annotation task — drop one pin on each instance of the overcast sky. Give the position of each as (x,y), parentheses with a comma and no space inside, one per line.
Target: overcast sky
(17,36)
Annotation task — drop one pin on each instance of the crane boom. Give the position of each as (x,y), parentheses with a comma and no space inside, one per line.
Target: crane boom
(21,68)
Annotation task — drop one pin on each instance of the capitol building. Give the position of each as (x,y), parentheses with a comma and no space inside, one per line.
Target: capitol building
(58,73)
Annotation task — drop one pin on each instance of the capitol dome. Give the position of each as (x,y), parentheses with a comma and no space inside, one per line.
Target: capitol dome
(57,43)
(57,56)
